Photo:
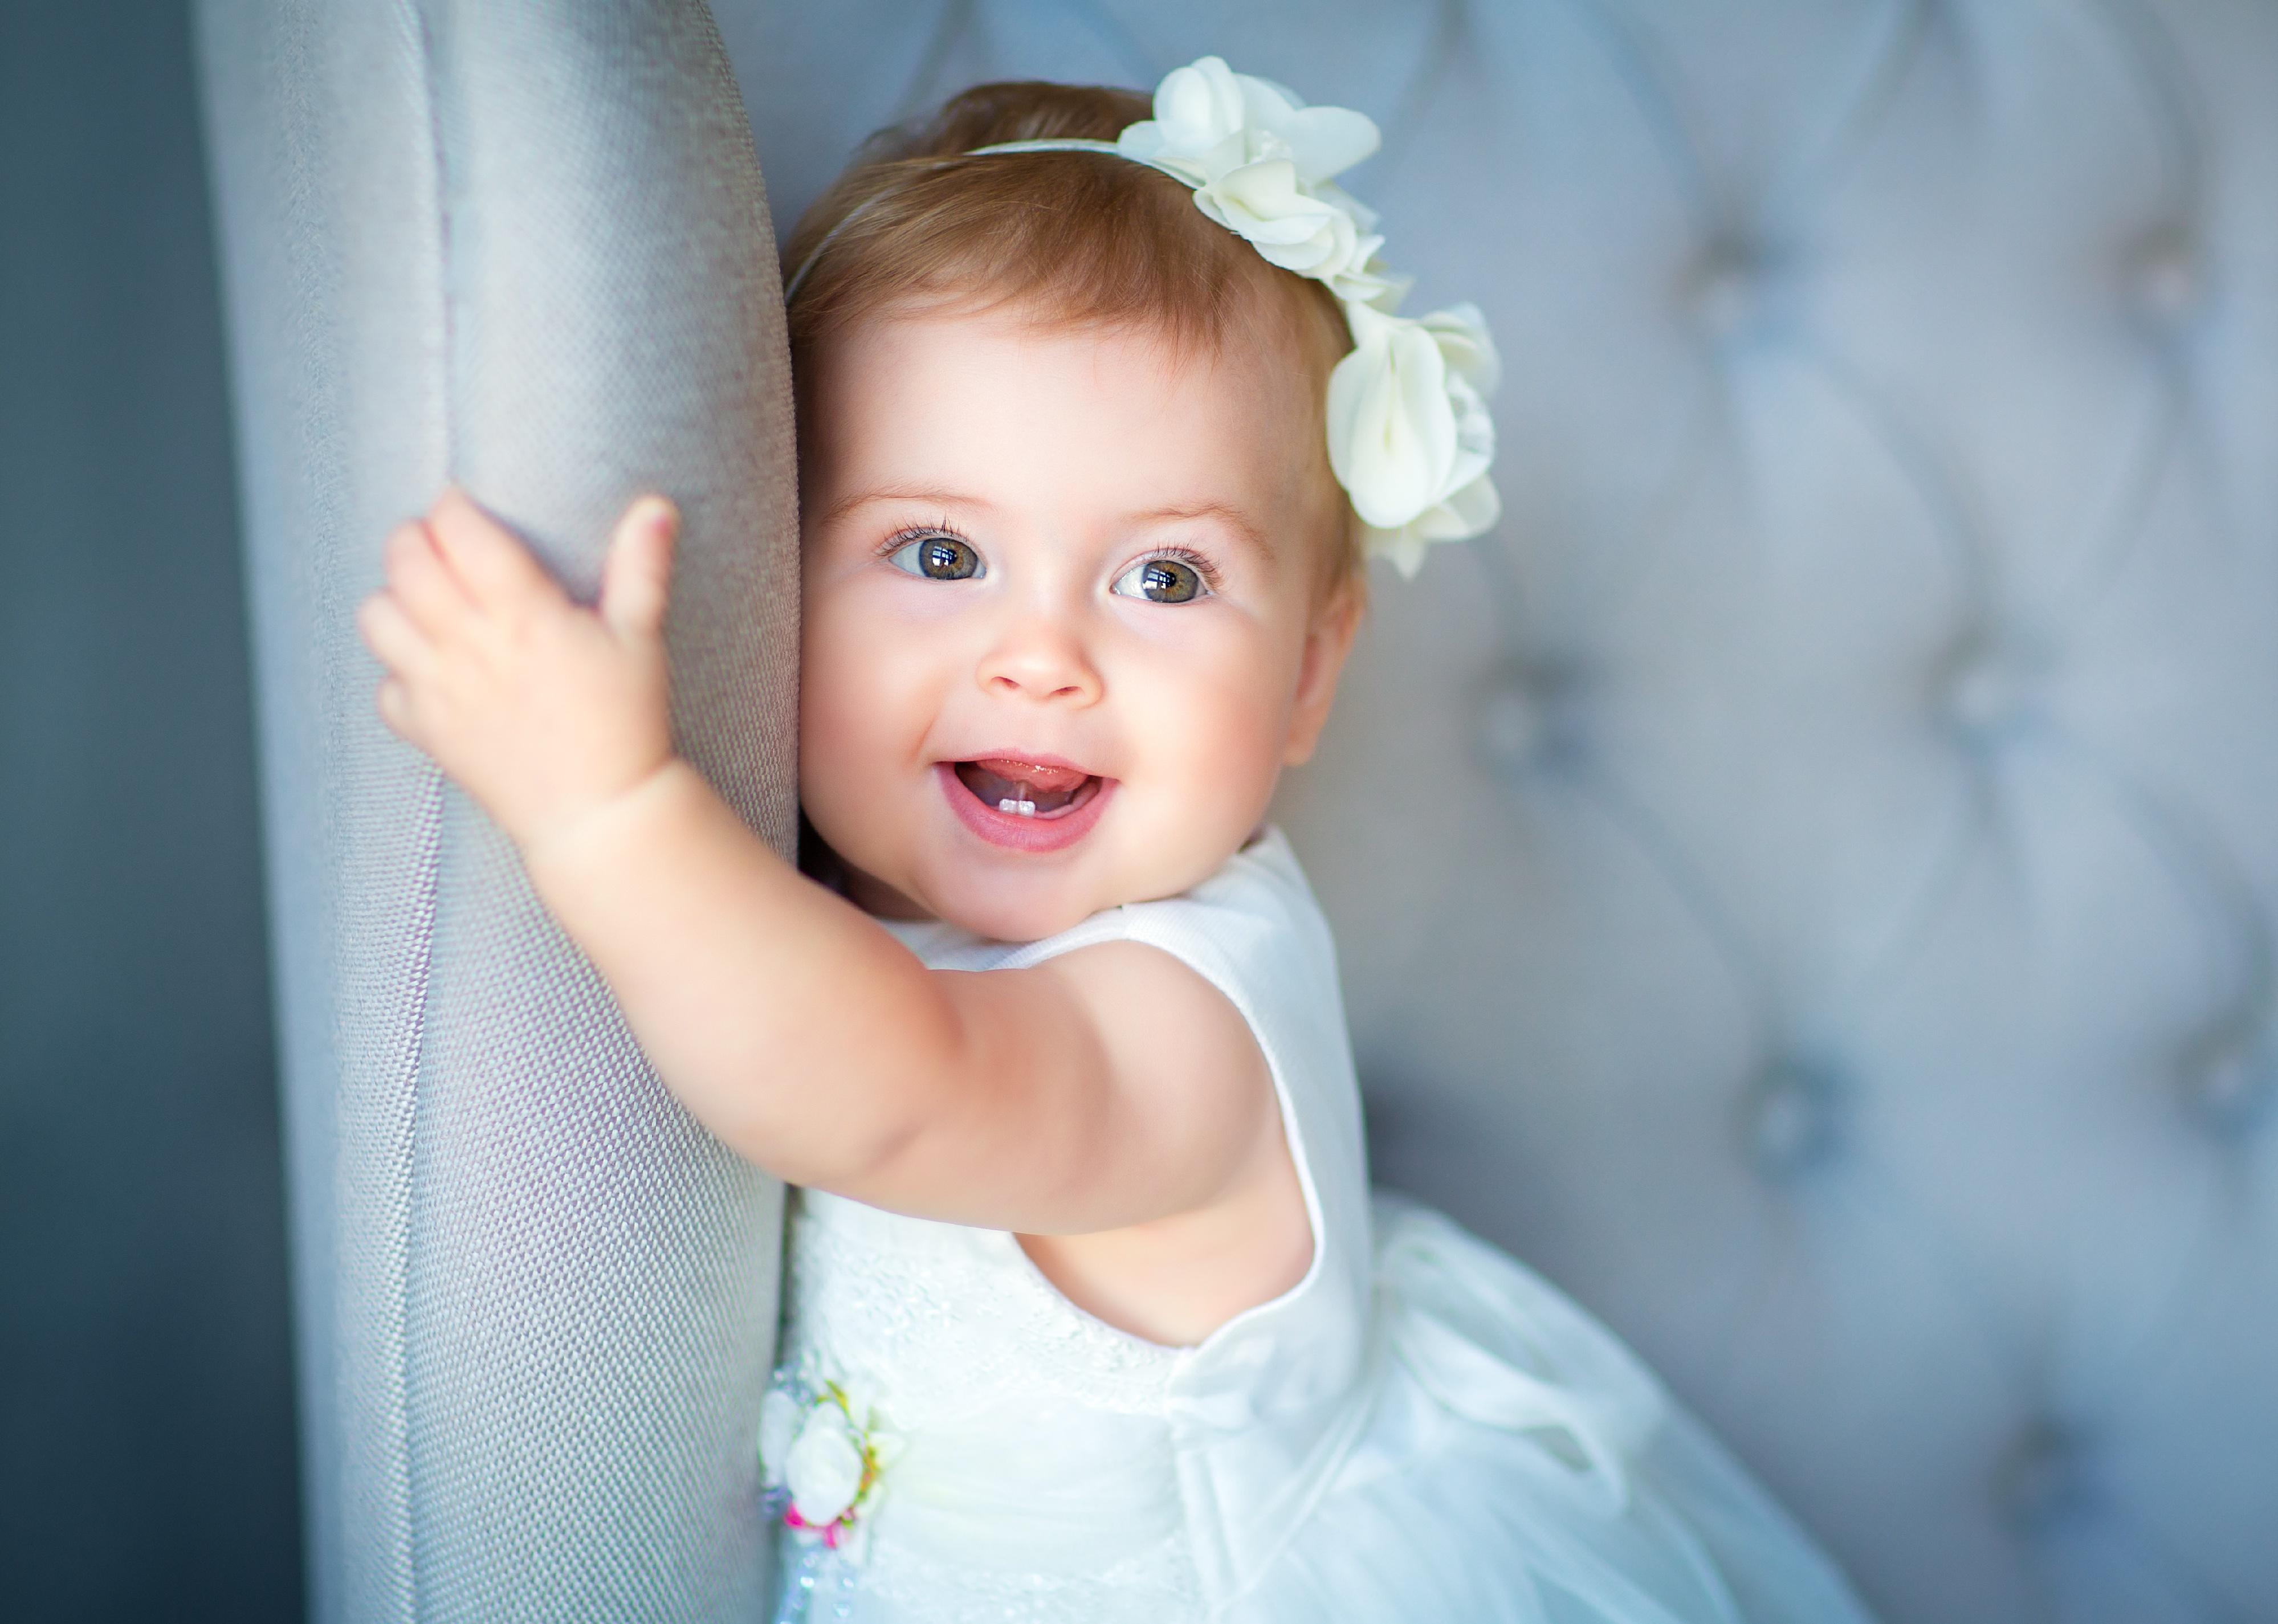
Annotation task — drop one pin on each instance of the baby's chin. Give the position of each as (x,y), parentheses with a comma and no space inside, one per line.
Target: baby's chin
(1020,907)
(1021,900)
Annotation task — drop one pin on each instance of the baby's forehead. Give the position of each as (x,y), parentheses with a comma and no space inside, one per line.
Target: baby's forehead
(913,379)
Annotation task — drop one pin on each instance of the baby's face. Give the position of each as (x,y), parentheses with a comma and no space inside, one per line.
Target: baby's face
(1062,625)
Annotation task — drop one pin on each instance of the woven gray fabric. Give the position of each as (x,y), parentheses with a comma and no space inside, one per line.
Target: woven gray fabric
(537,1303)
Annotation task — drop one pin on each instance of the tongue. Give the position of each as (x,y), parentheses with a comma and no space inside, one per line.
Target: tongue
(1009,784)
(1049,780)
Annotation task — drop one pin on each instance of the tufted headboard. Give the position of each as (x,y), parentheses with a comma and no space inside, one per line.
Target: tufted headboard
(1806,882)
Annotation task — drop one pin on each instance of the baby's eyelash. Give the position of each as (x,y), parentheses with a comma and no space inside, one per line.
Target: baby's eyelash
(1188,556)
(909,533)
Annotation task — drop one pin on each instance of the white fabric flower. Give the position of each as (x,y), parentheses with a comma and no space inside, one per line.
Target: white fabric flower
(1367,279)
(1259,160)
(1265,203)
(1409,435)
(823,1469)
(1461,333)
(1210,120)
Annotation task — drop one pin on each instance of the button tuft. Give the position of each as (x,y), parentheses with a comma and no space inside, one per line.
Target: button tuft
(2166,278)
(1732,287)
(1792,1122)
(1994,689)
(1527,717)
(2230,1080)
(2043,1479)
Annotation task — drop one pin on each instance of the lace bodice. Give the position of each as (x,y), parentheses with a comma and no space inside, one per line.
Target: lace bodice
(1048,1455)
(894,1298)
(1010,1402)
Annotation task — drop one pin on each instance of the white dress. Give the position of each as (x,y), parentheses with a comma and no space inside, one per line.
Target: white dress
(1421,1429)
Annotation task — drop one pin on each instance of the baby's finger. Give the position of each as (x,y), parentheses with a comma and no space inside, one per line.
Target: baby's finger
(491,562)
(395,707)
(637,576)
(390,634)
(421,582)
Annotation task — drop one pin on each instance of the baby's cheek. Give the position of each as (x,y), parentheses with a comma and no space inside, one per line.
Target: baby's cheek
(820,731)
(1234,746)
(845,719)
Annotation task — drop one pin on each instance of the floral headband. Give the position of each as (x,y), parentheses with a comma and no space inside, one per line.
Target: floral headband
(1410,437)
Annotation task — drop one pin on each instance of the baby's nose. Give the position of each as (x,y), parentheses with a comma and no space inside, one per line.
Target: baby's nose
(1042,659)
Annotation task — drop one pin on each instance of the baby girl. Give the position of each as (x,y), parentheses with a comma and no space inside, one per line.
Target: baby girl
(1090,1312)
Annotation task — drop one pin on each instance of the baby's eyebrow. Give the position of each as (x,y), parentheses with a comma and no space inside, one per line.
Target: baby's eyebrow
(930,495)
(1240,521)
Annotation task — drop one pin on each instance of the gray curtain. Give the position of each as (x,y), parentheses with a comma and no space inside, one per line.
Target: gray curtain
(536,1302)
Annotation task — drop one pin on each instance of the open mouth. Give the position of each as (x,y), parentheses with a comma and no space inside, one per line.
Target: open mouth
(1024,805)
(1026,788)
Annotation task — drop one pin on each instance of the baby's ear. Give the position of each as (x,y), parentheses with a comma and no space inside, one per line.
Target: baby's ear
(1328,639)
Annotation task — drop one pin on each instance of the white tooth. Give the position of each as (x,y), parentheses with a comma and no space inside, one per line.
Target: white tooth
(1026,809)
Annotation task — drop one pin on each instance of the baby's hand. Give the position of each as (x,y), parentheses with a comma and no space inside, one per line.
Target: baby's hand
(541,710)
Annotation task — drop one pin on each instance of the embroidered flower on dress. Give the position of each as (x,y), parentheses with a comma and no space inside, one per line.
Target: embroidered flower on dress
(823,1452)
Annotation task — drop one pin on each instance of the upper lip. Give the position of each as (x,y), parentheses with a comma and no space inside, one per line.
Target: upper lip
(1033,757)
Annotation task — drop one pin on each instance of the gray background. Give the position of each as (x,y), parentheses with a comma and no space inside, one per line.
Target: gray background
(146,1456)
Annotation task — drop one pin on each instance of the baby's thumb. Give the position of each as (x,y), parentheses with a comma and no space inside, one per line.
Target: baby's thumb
(637,576)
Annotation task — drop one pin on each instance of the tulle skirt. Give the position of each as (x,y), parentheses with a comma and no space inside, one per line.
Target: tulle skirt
(1521,1467)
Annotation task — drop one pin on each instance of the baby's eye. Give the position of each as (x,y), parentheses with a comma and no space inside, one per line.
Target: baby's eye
(1161,580)
(937,558)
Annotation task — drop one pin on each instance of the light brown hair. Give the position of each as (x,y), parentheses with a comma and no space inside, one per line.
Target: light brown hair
(1076,237)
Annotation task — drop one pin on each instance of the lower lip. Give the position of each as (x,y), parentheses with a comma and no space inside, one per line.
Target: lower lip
(1010,829)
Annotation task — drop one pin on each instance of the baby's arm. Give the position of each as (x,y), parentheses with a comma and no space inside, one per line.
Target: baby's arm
(1108,1087)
